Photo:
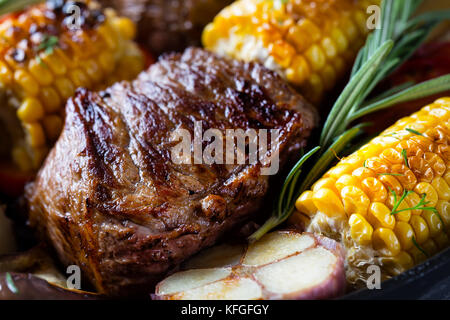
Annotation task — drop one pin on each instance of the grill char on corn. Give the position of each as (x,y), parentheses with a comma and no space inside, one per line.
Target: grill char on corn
(311,43)
(355,203)
(43,59)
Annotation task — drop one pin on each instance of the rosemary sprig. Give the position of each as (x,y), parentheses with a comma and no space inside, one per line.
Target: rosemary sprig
(422,205)
(385,50)
(405,157)
(414,132)
(10,283)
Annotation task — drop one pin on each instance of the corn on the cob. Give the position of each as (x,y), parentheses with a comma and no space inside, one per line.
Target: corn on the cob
(389,202)
(311,43)
(43,60)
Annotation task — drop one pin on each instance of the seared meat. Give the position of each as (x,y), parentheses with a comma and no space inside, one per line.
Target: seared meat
(109,197)
(169,25)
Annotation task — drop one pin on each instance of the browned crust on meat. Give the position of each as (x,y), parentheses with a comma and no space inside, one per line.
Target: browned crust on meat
(109,197)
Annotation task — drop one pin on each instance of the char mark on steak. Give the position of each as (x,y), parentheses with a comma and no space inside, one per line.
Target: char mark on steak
(110,199)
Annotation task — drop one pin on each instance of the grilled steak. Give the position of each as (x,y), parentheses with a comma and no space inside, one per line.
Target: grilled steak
(111,200)
(168,25)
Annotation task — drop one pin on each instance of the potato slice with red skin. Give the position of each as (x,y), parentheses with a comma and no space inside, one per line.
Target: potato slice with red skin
(282,265)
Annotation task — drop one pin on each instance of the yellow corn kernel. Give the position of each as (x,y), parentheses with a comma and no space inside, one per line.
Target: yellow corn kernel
(282,52)
(363,173)
(297,38)
(329,48)
(307,27)
(305,204)
(391,155)
(93,70)
(430,247)
(51,100)
(405,234)
(55,63)
(398,264)
(328,202)
(419,255)
(404,215)
(355,201)
(340,40)
(375,190)
(447,176)
(41,72)
(126,27)
(392,183)
(380,216)
(26,82)
(442,240)
(436,162)
(329,183)
(107,35)
(385,241)
(107,62)
(65,87)
(412,200)
(21,158)
(79,78)
(360,230)
(443,207)
(34,134)
(315,57)
(420,228)
(431,196)
(329,77)
(434,222)
(6,75)
(347,180)
(442,188)
(339,170)
(53,125)
(30,110)
(299,70)
(405,176)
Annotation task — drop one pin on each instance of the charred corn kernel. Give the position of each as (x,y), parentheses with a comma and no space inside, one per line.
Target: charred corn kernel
(398,264)
(409,207)
(442,188)
(323,33)
(57,60)
(443,208)
(385,241)
(374,189)
(30,110)
(41,72)
(328,202)
(26,82)
(34,134)
(433,220)
(360,230)
(52,125)
(355,201)
(405,234)
(420,228)
(305,204)
(379,215)
(427,190)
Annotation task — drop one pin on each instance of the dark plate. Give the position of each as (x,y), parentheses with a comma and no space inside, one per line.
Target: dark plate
(430,280)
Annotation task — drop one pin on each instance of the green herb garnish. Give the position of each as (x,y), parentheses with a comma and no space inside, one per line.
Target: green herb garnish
(8,6)
(405,157)
(10,283)
(391,174)
(419,247)
(48,44)
(414,132)
(420,206)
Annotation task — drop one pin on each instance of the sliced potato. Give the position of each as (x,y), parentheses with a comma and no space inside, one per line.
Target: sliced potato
(282,265)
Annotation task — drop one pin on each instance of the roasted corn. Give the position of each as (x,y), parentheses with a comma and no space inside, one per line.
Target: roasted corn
(45,55)
(389,202)
(311,43)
